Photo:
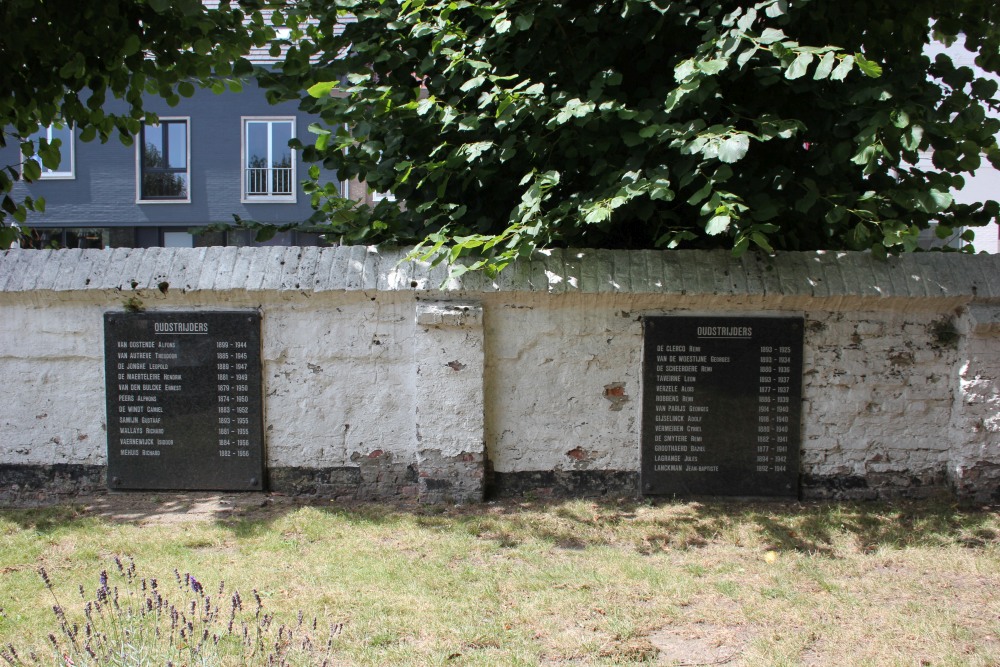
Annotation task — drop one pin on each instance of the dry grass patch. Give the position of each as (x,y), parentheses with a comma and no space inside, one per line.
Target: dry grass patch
(532,583)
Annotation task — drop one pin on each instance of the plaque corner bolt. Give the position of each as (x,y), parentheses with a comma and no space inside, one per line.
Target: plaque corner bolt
(253,481)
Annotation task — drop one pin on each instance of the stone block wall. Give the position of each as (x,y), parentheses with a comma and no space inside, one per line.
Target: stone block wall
(379,384)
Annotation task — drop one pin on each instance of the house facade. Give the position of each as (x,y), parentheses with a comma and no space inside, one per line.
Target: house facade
(209,158)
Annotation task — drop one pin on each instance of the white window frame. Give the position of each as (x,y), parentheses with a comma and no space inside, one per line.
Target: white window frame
(267,198)
(67,153)
(138,163)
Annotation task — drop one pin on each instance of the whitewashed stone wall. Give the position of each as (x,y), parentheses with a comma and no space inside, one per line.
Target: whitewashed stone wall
(378,384)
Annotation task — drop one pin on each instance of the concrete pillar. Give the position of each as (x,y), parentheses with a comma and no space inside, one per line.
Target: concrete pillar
(448,358)
(974,466)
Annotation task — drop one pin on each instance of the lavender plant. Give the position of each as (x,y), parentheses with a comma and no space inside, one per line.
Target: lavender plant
(132,621)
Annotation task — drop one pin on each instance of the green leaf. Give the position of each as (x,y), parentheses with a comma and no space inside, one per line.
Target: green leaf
(842,69)
(770,36)
(799,66)
(717,224)
(131,45)
(836,215)
(734,148)
(711,67)
(745,22)
(265,233)
(472,83)
(825,66)
(932,201)
(776,8)
(911,140)
(867,67)
(322,89)
(745,56)
(660,191)
(741,246)
(701,195)
(685,70)
(762,242)
(31,170)
(7,237)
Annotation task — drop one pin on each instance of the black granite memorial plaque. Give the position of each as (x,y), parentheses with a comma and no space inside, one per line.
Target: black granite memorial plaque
(184,400)
(721,406)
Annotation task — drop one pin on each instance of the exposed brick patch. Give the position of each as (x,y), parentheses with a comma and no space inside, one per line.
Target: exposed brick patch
(979,483)
(615,392)
(58,478)
(456,479)
(873,486)
(564,483)
(334,482)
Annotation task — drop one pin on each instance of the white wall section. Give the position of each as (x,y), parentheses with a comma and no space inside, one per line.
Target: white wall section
(377,383)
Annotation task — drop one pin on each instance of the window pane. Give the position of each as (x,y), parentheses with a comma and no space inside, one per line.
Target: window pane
(64,134)
(152,153)
(256,145)
(177,240)
(42,133)
(281,133)
(35,138)
(160,184)
(177,145)
(268,160)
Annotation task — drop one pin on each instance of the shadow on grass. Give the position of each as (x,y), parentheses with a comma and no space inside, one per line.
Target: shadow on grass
(810,527)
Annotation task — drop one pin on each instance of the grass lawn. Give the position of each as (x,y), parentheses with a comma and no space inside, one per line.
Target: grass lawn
(529,583)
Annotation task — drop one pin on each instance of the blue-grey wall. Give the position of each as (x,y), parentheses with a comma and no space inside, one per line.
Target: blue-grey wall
(103,193)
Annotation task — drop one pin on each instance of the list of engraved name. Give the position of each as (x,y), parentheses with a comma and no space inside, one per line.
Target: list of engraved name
(152,374)
(694,380)
(146,374)
(679,417)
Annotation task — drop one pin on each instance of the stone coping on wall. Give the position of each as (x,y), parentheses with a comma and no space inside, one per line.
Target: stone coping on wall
(940,277)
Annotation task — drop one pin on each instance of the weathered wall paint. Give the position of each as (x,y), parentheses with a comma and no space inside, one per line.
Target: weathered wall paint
(377,384)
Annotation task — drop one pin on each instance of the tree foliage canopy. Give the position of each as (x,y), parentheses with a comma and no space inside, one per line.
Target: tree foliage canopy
(65,59)
(506,125)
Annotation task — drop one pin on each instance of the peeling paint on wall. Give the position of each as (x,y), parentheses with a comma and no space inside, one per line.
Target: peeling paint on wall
(615,392)
(541,385)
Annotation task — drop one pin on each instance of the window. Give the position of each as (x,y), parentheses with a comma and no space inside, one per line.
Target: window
(164,168)
(64,134)
(177,240)
(67,237)
(268,162)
